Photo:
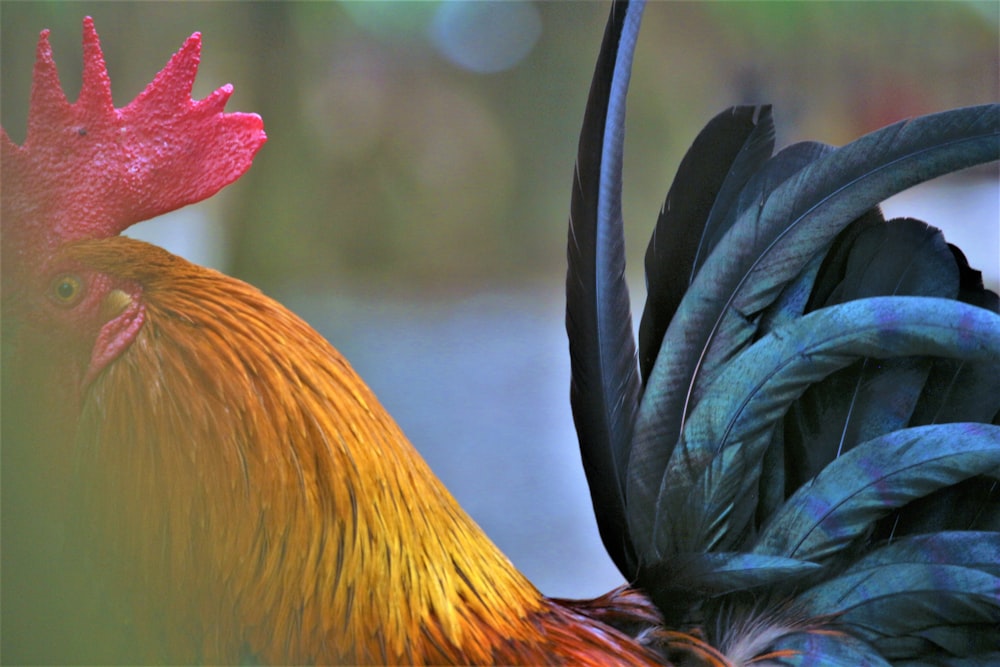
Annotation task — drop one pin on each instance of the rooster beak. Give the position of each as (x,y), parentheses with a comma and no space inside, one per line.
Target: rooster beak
(114,304)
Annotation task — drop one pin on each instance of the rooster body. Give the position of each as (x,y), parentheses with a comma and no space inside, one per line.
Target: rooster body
(251,498)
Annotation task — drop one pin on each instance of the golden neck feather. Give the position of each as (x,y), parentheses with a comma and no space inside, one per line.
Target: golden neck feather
(261,491)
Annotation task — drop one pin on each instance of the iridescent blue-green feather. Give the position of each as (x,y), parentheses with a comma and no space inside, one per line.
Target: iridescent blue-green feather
(766,248)
(699,208)
(605,381)
(845,500)
(754,391)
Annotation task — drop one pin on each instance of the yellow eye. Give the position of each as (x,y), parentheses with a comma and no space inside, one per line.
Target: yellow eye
(66,290)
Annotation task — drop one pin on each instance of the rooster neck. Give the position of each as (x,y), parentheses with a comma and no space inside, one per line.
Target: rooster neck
(244,460)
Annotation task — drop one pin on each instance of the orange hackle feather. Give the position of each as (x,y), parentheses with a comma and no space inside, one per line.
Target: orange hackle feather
(236,487)
(272,503)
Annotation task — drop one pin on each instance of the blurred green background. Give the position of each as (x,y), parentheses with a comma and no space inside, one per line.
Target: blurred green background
(390,164)
(411,201)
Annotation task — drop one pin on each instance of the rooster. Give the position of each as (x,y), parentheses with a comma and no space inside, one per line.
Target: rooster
(800,469)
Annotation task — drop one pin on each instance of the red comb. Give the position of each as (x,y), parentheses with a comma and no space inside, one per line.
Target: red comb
(89,170)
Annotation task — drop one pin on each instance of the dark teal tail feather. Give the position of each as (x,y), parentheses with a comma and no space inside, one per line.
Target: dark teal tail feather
(806,465)
(768,247)
(697,212)
(605,380)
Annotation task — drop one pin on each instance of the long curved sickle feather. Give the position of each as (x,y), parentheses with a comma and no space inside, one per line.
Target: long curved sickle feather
(871,258)
(903,600)
(605,382)
(851,493)
(978,549)
(768,246)
(698,210)
(724,441)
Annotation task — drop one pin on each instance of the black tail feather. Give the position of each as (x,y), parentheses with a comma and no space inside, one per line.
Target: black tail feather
(819,388)
(605,381)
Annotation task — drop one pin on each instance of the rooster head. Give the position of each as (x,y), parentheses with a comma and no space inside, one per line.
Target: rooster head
(88,171)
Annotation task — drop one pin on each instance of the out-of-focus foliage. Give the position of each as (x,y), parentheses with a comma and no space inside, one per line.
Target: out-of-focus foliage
(402,149)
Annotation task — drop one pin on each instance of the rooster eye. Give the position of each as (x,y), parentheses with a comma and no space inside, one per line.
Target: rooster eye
(66,290)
